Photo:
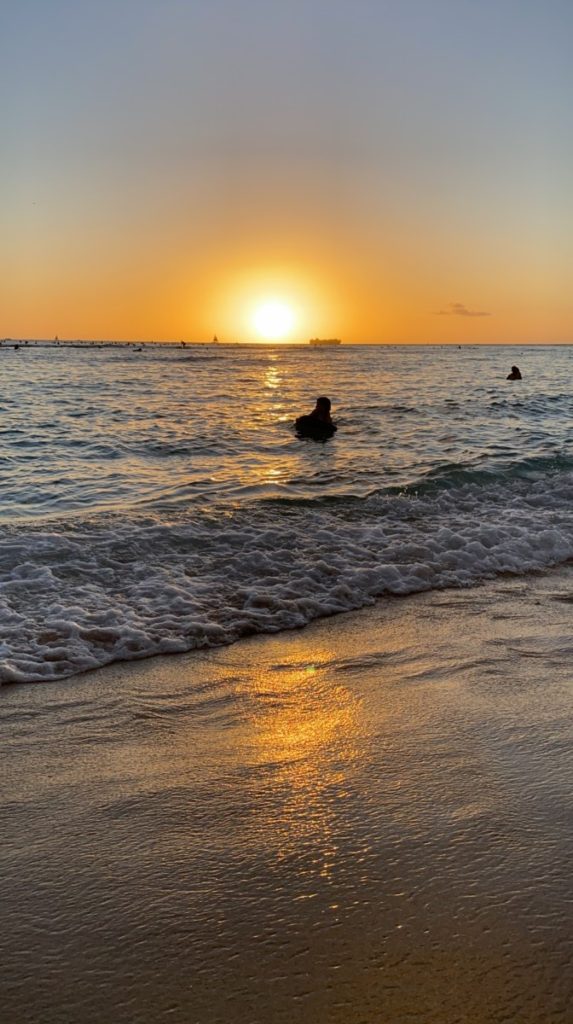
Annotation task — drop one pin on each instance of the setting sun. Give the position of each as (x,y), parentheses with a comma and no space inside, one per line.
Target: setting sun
(274,320)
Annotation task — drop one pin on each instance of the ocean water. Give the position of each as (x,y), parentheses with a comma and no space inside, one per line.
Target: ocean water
(159,500)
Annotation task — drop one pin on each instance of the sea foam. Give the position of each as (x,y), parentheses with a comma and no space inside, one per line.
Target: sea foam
(90,593)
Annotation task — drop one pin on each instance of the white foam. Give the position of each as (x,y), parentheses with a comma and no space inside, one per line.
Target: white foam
(75,600)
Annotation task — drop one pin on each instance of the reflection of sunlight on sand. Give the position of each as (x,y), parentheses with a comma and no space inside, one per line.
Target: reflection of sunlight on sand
(308,738)
(367,820)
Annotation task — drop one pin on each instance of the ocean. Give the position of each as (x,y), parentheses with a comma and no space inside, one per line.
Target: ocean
(366,819)
(159,501)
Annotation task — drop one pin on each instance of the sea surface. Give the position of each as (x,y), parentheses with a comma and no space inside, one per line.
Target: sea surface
(159,501)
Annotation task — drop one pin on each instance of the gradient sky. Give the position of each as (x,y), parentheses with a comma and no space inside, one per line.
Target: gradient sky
(388,167)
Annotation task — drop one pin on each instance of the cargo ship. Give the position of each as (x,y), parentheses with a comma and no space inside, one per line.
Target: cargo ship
(325,341)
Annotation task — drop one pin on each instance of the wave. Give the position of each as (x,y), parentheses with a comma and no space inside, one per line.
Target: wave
(458,474)
(445,477)
(94,592)
(198,358)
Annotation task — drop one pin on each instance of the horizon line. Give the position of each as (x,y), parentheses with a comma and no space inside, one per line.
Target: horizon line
(7,341)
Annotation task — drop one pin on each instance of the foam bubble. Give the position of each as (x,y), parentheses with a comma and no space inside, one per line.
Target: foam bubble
(86,595)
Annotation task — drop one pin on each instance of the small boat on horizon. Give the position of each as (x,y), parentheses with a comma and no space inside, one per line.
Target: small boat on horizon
(325,341)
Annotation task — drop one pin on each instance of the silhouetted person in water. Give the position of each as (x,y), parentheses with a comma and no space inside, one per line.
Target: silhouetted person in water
(321,411)
(515,374)
(318,423)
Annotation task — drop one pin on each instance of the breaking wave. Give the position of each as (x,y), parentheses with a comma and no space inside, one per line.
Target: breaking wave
(90,592)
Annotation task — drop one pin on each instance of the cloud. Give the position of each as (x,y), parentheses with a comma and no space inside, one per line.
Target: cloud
(458,309)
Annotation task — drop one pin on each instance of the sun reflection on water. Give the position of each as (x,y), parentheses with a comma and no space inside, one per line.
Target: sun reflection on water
(273,378)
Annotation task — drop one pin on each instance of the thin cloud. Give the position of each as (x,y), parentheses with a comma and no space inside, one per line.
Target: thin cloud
(458,309)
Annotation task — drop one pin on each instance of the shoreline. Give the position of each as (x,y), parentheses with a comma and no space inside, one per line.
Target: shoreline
(362,820)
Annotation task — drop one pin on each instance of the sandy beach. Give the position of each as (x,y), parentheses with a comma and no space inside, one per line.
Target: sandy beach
(286,513)
(367,820)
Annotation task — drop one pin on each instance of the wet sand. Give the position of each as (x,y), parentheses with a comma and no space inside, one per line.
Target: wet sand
(367,821)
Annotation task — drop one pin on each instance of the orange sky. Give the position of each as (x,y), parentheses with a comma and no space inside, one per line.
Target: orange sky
(368,167)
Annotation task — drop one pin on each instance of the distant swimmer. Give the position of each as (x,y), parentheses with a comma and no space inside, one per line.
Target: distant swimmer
(515,374)
(318,424)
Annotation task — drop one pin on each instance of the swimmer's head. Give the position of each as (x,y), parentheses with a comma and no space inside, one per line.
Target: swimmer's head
(323,404)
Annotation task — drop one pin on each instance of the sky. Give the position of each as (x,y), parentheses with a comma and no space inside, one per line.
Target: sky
(383,170)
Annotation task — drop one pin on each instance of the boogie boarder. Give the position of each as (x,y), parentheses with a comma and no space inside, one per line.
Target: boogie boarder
(318,423)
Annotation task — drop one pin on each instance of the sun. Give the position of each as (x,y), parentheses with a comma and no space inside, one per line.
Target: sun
(274,320)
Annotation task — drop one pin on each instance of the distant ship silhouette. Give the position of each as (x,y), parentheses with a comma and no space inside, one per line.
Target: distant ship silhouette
(325,341)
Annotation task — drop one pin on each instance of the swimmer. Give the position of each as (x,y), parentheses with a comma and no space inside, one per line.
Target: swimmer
(515,374)
(321,411)
(318,423)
